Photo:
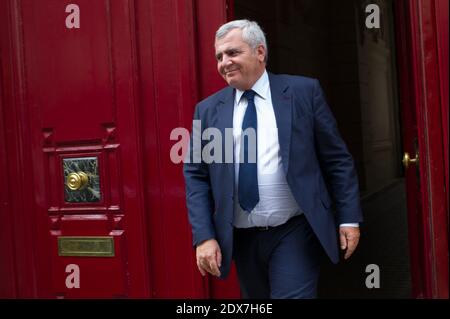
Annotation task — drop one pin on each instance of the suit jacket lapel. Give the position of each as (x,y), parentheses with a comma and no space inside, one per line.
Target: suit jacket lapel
(282,106)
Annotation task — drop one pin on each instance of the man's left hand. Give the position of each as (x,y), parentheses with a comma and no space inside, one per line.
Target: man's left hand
(349,237)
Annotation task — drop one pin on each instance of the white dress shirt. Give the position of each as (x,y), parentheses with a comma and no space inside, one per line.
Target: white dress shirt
(276,203)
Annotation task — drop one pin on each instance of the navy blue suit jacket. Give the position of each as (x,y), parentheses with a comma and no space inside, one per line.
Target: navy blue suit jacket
(318,167)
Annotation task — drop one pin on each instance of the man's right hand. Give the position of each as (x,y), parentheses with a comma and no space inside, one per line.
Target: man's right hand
(209,257)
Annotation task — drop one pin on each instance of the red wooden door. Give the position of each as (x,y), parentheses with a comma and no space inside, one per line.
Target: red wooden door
(73,121)
(91,204)
(423,56)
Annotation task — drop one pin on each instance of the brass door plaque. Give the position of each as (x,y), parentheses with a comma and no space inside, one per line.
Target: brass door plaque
(95,246)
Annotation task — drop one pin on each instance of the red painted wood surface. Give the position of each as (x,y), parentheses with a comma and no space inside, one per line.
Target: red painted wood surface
(74,96)
(433,100)
(441,13)
(114,88)
(422,103)
(168,91)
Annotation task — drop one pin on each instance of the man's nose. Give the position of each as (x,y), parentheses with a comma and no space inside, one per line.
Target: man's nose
(226,61)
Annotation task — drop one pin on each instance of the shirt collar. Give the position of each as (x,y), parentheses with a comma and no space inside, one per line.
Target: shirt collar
(261,87)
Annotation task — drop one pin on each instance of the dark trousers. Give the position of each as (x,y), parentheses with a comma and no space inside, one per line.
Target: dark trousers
(280,262)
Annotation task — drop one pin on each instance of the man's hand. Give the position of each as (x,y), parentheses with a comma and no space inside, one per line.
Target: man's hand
(209,257)
(349,237)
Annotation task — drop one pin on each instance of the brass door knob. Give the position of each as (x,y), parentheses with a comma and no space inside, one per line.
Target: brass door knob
(408,160)
(77,181)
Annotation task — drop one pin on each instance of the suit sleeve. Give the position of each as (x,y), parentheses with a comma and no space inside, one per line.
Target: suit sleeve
(199,197)
(335,160)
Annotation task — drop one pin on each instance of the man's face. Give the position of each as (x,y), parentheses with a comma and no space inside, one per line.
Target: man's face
(238,64)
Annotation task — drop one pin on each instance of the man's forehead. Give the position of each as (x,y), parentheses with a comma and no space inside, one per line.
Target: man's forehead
(222,45)
(229,46)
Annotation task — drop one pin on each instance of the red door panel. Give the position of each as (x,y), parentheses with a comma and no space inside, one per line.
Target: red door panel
(177,69)
(79,103)
(70,69)
(99,276)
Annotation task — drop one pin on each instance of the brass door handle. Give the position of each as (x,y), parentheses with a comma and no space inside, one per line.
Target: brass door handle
(408,160)
(77,181)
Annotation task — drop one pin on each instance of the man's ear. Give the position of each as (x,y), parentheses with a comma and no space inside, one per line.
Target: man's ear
(261,52)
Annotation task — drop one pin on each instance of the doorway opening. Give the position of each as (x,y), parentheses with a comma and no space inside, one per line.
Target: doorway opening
(356,67)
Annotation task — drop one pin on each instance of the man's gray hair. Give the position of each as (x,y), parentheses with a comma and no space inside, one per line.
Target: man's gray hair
(251,33)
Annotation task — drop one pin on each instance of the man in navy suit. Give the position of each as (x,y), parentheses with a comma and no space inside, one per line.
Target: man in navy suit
(272,215)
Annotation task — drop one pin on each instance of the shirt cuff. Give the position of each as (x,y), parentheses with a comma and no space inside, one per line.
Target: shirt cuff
(349,225)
